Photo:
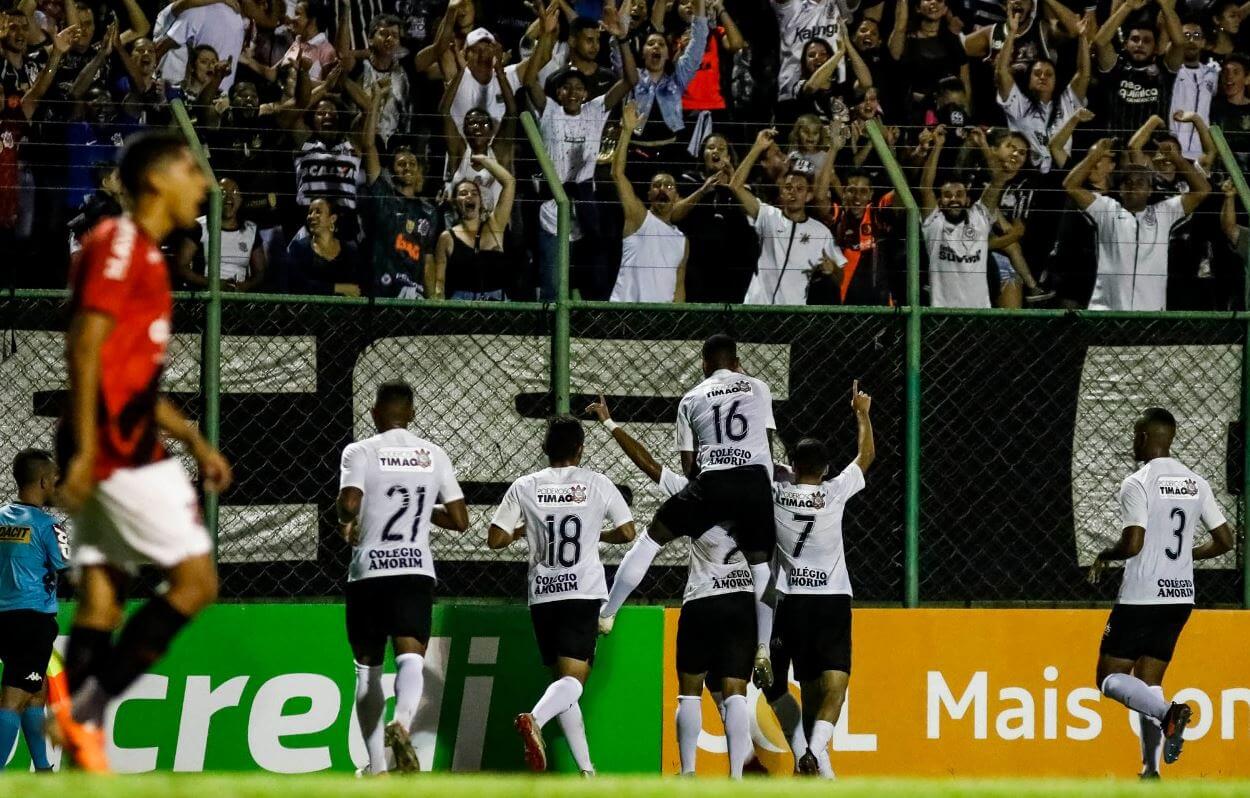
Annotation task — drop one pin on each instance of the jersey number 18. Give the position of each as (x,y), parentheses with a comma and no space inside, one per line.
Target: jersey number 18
(570,529)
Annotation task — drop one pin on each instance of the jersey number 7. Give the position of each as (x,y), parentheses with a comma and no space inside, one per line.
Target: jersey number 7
(808,522)
(405,501)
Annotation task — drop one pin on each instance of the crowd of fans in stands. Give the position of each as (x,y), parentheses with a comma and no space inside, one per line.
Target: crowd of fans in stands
(713,150)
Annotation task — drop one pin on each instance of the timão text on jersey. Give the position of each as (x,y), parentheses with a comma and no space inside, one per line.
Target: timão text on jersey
(741,387)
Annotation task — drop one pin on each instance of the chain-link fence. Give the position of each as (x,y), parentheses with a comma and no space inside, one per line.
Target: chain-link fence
(1025,425)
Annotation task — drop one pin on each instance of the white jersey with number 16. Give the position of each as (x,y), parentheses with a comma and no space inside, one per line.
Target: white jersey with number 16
(727,416)
(1166,499)
(562,510)
(810,555)
(402,477)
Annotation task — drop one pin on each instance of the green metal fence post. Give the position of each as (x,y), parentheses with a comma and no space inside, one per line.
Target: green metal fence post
(210,363)
(911,478)
(1243,193)
(560,341)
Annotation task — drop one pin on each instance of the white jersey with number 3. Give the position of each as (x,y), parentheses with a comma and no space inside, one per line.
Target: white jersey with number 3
(1166,499)
(716,565)
(563,511)
(810,556)
(727,417)
(402,477)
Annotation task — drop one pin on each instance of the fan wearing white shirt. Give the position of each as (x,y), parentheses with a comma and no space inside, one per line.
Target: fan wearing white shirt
(793,245)
(1132,233)
(654,250)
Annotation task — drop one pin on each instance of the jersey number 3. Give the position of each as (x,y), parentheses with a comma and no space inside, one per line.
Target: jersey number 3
(1178,515)
(405,502)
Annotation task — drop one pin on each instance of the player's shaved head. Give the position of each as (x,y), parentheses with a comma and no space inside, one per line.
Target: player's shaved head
(564,439)
(32,465)
(1153,434)
(719,352)
(393,406)
(810,458)
(144,153)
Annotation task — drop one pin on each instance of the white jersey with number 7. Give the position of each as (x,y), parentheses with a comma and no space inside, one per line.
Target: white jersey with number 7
(810,555)
(728,415)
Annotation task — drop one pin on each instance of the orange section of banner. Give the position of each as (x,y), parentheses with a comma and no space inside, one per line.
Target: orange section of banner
(999,693)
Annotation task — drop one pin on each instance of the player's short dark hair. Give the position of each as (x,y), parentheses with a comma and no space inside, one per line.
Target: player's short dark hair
(582,24)
(30,465)
(144,152)
(1159,417)
(720,347)
(810,456)
(1140,24)
(998,135)
(564,437)
(395,392)
(857,172)
(1240,59)
(384,21)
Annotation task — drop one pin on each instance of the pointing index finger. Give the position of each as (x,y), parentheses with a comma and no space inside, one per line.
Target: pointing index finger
(854,389)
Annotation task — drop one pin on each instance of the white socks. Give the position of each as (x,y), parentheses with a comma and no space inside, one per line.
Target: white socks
(574,728)
(629,575)
(738,733)
(761,574)
(1136,695)
(370,704)
(1151,738)
(822,734)
(561,694)
(409,680)
(689,724)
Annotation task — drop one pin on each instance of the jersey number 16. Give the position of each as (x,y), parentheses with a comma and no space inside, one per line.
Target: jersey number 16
(734,424)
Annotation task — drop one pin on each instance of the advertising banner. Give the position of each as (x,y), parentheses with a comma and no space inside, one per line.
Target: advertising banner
(999,693)
(271,687)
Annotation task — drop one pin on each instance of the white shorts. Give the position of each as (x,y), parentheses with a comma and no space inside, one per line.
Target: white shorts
(141,516)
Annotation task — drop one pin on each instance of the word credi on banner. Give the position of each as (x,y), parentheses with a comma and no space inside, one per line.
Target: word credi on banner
(1000,693)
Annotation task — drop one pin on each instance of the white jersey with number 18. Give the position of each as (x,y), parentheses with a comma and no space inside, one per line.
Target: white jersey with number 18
(727,416)
(402,477)
(716,566)
(563,511)
(810,555)
(1166,499)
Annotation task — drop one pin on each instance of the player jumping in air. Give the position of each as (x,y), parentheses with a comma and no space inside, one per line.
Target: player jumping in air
(560,511)
(1159,510)
(34,549)
(716,628)
(388,491)
(724,427)
(814,614)
(131,503)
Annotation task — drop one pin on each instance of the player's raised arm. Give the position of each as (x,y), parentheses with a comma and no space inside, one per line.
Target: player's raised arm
(638,454)
(618,514)
(861,403)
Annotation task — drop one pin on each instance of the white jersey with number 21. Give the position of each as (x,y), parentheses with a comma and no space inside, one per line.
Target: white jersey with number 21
(728,415)
(810,555)
(1166,499)
(402,477)
(716,566)
(563,511)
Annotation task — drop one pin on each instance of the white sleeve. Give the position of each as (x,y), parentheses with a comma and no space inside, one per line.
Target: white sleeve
(834,252)
(1132,504)
(617,510)
(1212,515)
(448,487)
(849,482)
(670,483)
(764,217)
(355,464)
(1015,104)
(769,421)
(180,32)
(1170,211)
(685,435)
(508,517)
(1101,208)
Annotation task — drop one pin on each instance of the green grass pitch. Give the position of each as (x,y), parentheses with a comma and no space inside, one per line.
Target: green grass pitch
(526,786)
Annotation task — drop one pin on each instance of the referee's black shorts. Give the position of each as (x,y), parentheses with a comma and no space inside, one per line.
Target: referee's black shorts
(716,636)
(816,632)
(739,499)
(566,628)
(26,639)
(1144,630)
(384,607)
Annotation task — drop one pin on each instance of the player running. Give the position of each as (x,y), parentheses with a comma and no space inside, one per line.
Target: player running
(34,549)
(724,427)
(716,627)
(1159,510)
(814,615)
(131,503)
(386,503)
(560,510)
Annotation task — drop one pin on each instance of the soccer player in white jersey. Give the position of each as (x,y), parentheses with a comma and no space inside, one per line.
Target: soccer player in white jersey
(388,497)
(1160,506)
(560,511)
(724,436)
(716,627)
(814,616)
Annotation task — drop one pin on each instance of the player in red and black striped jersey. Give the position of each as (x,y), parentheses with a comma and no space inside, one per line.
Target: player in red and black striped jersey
(132,504)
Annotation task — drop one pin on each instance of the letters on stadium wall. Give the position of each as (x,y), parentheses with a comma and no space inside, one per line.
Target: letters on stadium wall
(1000,693)
(270,687)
